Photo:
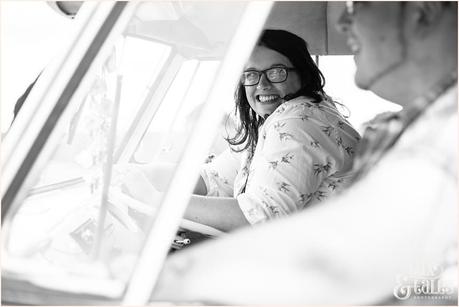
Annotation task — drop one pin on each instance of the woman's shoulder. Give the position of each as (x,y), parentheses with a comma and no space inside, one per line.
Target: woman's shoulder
(294,108)
(304,108)
(323,115)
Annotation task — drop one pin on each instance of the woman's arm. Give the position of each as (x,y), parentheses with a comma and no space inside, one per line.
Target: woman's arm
(362,239)
(222,213)
(159,175)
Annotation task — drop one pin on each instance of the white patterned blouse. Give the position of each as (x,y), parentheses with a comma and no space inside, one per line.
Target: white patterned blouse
(303,155)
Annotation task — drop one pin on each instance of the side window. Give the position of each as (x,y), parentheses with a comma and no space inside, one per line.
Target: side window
(141,64)
(359,105)
(168,131)
(140,83)
(57,222)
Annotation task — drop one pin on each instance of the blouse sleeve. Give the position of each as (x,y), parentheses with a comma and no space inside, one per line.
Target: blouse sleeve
(295,159)
(220,173)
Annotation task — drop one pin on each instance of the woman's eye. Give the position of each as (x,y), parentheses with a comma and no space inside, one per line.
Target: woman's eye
(251,75)
(276,73)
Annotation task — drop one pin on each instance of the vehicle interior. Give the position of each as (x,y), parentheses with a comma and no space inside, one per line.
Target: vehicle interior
(139,83)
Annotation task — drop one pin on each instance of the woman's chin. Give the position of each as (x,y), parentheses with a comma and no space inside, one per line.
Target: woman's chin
(265,110)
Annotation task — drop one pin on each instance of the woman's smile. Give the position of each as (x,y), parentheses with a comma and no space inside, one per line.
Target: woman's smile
(268,99)
(265,96)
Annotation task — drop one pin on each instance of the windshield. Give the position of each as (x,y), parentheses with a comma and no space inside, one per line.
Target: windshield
(139,103)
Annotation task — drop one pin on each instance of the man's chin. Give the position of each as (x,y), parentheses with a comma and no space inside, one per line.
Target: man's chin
(381,88)
(361,81)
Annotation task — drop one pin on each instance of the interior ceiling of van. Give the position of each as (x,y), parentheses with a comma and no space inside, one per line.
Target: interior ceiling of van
(203,29)
(314,21)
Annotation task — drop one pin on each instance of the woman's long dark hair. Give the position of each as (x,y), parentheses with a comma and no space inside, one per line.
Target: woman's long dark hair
(312,83)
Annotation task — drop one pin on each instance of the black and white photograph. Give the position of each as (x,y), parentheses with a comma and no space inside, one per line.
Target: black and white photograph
(231,153)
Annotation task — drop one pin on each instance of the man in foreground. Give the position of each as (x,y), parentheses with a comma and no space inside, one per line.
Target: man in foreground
(396,227)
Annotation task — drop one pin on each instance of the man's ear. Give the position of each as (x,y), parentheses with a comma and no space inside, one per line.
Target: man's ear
(426,15)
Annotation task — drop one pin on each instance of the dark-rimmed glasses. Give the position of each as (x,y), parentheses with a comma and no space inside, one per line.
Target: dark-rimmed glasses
(273,74)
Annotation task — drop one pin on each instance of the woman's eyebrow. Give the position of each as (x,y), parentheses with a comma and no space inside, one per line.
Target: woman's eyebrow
(278,64)
(273,65)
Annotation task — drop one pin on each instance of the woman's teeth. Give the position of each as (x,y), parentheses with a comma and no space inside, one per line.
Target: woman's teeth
(267,98)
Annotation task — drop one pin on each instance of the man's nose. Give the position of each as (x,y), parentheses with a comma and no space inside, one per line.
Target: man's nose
(264,82)
(344,22)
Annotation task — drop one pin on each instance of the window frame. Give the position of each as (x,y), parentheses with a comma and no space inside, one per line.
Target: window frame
(56,97)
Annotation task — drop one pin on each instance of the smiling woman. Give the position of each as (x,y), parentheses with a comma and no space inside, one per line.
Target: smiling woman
(292,147)
(267,88)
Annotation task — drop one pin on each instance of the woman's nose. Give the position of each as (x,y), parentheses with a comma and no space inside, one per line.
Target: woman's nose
(264,82)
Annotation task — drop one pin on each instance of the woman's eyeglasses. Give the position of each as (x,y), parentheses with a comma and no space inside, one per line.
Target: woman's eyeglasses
(273,74)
